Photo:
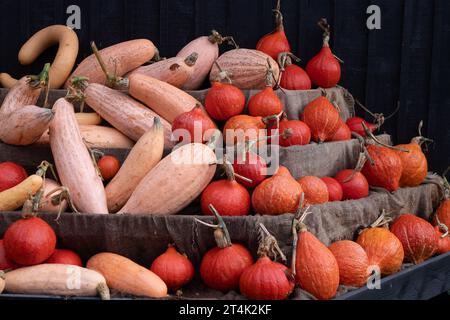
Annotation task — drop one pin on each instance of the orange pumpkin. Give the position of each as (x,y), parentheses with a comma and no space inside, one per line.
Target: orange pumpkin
(383,248)
(244,128)
(415,164)
(277,195)
(353,263)
(316,191)
(322,118)
(317,270)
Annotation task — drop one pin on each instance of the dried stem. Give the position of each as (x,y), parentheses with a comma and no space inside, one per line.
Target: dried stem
(372,136)
(442,227)
(269,245)
(112,80)
(382,220)
(297,227)
(222,74)
(221,233)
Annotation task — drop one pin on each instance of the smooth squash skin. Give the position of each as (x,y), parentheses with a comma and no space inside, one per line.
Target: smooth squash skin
(6,81)
(24,126)
(126,276)
(73,161)
(124,113)
(66,56)
(208,50)
(14,198)
(174,183)
(88,119)
(120,58)
(97,137)
(164,99)
(57,279)
(175,71)
(144,156)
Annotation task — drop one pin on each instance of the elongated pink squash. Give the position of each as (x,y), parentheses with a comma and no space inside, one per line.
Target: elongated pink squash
(74,163)
(120,59)
(175,182)
(124,113)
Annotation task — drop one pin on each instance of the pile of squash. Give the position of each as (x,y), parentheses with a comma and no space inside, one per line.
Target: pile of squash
(143,100)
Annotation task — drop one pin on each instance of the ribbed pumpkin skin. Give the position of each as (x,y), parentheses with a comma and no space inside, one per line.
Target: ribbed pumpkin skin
(356,188)
(353,263)
(343,133)
(322,118)
(295,78)
(335,191)
(383,249)
(443,243)
(316,191)
(415,165)
(175,269)
(417,236)
(387,169)
(252,127)
(300,133)
(192,120)
(221,269)
(266,280)
(317,270)
(274,43)
(443,213)
(247,68)
(228,197)
(224,101)
(265,104)
(277,195)
(323,69)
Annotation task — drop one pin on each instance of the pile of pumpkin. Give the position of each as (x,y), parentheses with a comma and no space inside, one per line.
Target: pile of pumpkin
(34,266)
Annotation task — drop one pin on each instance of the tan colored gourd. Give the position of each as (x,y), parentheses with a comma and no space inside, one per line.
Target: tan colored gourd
(57,279)
(14,198)
(175,182)
(144,156)
(121,58)
(97,137)
(164,99)
(126,276)
(65,58)
(24,126)
(75,166)
(125,114)
(88,119)
(175,71)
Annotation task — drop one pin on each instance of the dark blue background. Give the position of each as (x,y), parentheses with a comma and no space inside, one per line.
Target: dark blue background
(407,60)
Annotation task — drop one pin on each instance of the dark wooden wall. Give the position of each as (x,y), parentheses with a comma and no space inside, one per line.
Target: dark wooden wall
(407,60)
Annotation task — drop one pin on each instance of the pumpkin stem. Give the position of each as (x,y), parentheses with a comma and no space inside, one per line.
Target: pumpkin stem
(372,136)
(93,153)
(363,147)
(112,80)
(297,227)
(279,25)
(191,59)
(58,199)
(28,208)
(44,167)
(223,75)
(231,174)
(383,220)
(323,24)
(420,139)
(269,245)
(285,59)
(443,227)
(270,77)
(215,37)
(359,165)
(221,234)
(40,80)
